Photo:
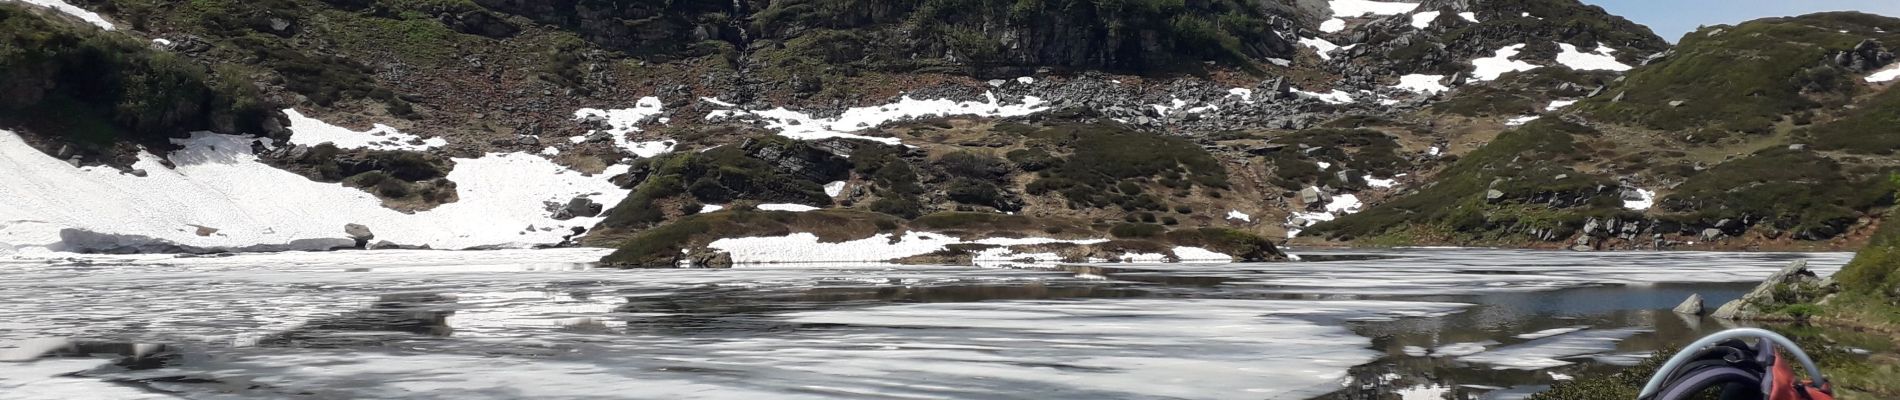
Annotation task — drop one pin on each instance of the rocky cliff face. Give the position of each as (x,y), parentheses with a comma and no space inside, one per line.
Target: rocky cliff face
(1543,123)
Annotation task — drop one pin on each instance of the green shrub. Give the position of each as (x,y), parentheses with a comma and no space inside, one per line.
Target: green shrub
(1137,231)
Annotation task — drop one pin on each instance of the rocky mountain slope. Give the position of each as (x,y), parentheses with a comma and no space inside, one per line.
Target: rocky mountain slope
(1101,130)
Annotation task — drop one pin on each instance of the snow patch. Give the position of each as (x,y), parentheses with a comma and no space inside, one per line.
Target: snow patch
(219,183)
(802,126)
(1469,16)
(1639,199)
(1332,25)
(1324,47)
(306,131)
(1420,83)
(834,189)
(1600,60)
(1885,75)
(1424,20)
(1559,104)
(1245,95)
(1359,8)
(1520,121)
(807,248)
(1334,97)
(1381,183)
(1236,214)
(625,121)
(61,6)
(1490,68)
(787,207)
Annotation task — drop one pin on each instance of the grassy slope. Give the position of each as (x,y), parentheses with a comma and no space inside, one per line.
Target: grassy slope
(97,89)
(1524,164)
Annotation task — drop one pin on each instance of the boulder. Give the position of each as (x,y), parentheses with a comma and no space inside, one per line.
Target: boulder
(1711,234)
(361,234)
(1493,195)
(1310,195)
(1795,278)
(582,207)
(1691,306)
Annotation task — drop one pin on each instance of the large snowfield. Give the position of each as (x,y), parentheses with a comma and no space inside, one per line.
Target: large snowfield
(220,189)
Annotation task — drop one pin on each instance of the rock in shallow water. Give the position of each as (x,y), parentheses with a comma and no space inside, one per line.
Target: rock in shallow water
(1691,306)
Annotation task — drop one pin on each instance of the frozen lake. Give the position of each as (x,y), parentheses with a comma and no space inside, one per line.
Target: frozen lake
(1412,324)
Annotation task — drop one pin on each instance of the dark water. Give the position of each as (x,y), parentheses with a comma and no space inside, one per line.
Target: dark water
(1410,324)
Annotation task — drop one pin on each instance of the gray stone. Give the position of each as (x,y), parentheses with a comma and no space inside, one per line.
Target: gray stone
(1795,274)
(582,207)
(359,233)
(1678,103)
(279,24)
(1691,306)
(137,172)
(1797,147)
(1619,97)
(1310,195)
(1711,234)
(1493,195)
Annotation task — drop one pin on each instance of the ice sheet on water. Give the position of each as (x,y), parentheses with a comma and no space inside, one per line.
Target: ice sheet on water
(1553,351)
(1551,332)
(1226,349)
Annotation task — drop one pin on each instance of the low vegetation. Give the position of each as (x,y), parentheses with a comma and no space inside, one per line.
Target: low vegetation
(96,89)
(1534,190)
(1742,79)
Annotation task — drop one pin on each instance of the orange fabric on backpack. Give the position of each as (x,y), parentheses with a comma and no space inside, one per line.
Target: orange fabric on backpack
(1784,387)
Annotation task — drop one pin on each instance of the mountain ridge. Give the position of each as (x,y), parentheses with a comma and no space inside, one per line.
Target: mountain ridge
(1300,130)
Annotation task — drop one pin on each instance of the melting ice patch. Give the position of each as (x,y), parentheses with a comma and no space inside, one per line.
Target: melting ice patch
(219,184)
(61,6)
(1490,68)
(1551,332)
(306,131)
(1420,83)
(1226,349)
(1359,8)
(1551,351)
(1603,59)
